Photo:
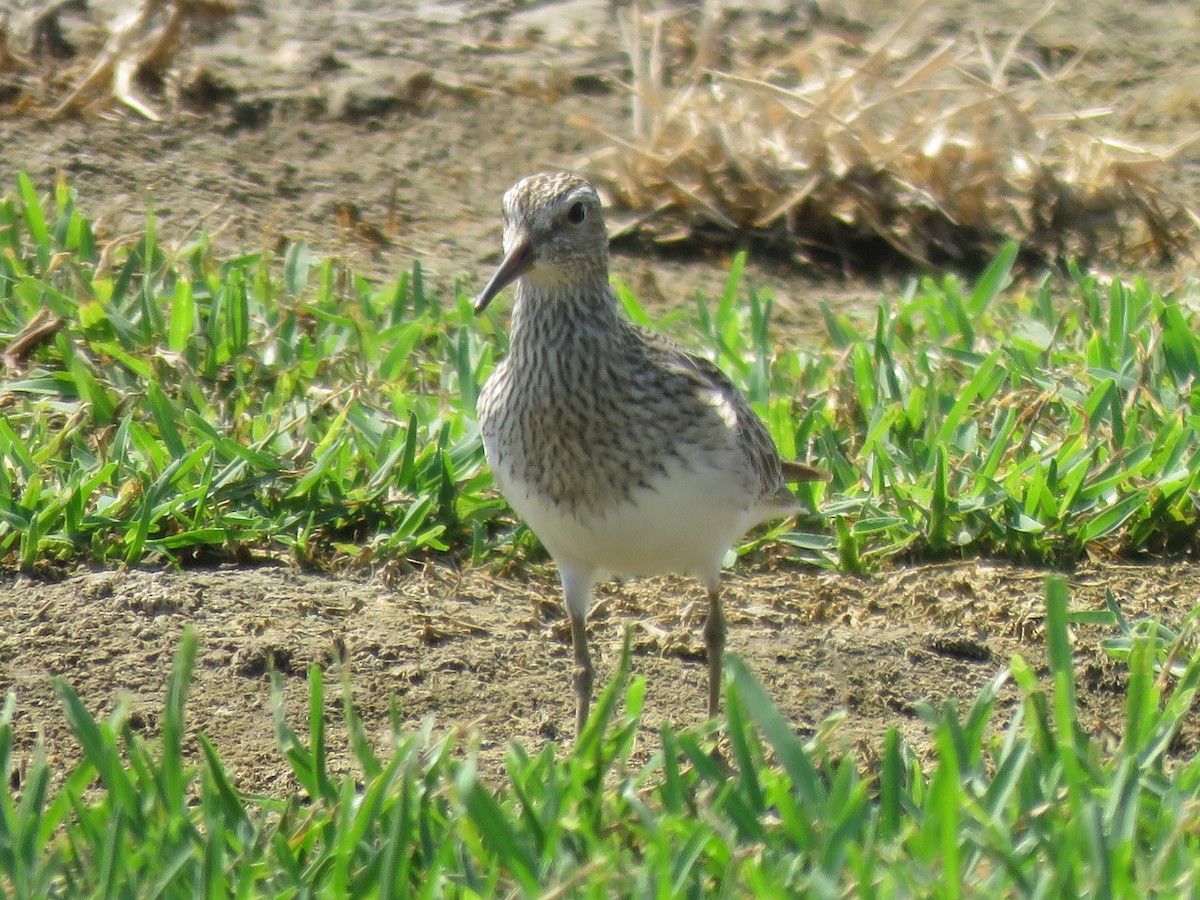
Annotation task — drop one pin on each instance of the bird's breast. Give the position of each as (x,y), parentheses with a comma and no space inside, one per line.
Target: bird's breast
(579,432)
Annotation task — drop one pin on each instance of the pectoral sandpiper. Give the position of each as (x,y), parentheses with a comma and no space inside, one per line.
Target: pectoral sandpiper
(626,454)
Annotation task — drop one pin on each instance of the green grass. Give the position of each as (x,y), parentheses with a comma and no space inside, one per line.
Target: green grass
(189,406)
(1034,807)
(192,406)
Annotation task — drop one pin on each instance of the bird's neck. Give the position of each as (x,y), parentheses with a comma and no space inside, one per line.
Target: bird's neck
(564,311)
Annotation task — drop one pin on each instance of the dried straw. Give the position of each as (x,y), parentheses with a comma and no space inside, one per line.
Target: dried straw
(144,39)
(922,148)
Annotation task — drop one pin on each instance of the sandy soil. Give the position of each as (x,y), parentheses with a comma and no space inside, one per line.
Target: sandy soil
(494,653)
(420,115)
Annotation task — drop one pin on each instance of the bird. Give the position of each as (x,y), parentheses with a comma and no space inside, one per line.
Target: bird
(625,454)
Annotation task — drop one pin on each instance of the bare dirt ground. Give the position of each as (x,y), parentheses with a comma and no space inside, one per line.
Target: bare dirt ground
(494,653)
(419,115)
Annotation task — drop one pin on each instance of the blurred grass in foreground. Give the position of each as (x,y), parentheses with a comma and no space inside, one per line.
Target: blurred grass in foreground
(165,401)
(1033,808)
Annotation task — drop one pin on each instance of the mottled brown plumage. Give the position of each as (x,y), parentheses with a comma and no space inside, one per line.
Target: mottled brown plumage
(626,454)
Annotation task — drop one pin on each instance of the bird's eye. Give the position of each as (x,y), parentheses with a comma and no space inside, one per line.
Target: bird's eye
(576,213)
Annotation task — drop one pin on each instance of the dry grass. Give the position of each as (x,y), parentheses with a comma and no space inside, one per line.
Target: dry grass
(143,43)
(911,145)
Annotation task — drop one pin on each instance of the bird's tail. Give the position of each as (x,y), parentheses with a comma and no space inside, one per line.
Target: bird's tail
(798,471)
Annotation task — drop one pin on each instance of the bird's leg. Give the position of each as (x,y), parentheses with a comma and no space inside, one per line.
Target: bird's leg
(577,592)
(714,642)
(583,673)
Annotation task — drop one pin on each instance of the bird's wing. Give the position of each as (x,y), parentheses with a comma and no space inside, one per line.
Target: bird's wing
(751,434)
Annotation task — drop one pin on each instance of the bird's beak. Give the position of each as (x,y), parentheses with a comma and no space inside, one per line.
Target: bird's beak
(517,261)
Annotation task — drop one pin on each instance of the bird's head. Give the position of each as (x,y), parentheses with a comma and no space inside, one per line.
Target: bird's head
(553,234)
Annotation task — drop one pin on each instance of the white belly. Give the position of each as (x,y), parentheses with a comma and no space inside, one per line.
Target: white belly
(684,524)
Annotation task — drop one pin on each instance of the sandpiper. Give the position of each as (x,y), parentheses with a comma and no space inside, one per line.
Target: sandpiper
(626,454)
